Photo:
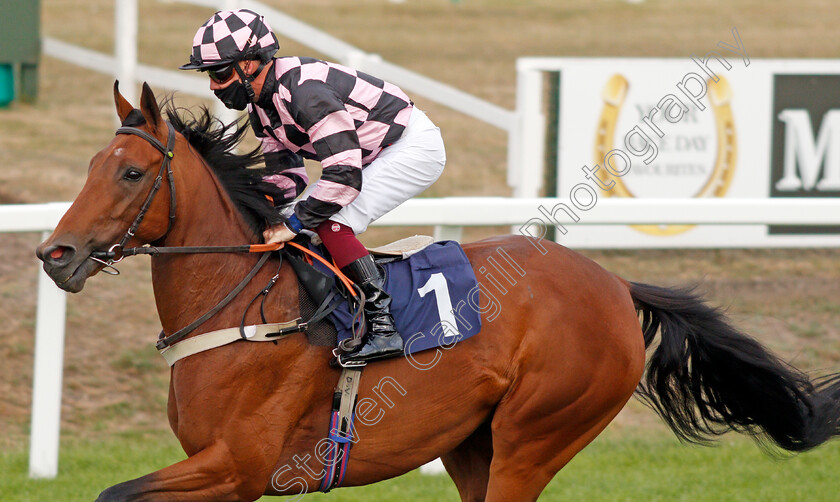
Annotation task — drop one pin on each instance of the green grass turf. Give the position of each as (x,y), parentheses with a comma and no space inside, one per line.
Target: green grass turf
(653,468)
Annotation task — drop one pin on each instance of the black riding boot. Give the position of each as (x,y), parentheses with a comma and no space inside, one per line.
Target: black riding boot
(382,339)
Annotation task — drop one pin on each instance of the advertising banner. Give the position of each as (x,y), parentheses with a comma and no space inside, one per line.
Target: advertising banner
(721,125)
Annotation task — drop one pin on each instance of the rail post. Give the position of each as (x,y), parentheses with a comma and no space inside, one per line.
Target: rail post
(47,378)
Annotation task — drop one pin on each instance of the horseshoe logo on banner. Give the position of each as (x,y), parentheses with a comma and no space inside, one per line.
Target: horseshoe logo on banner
(718,183)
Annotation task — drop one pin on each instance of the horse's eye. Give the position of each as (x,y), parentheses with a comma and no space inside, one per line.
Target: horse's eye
(133,175)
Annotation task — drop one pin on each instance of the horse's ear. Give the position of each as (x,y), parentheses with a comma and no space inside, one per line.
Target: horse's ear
(124,108)
(149,107)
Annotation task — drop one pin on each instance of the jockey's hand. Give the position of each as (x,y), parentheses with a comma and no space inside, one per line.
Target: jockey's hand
(278,233)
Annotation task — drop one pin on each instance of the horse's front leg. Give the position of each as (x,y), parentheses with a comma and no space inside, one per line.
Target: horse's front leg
(211,474)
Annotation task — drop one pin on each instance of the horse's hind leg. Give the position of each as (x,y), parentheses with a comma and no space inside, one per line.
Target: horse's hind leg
(549,417)
(469,464)
(522,467)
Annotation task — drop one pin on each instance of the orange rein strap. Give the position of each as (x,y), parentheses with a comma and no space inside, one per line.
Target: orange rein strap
(261,248)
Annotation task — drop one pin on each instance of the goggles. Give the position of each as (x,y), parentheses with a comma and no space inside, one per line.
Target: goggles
(221,75)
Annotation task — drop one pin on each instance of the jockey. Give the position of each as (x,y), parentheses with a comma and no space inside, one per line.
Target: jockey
(376,149)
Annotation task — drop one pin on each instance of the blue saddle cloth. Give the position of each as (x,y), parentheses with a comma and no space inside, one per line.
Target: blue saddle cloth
(430,293)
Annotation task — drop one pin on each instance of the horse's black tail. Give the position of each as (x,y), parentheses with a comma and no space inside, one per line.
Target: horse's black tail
(706,377)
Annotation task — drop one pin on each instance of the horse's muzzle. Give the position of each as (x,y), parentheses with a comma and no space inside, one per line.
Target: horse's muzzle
(68,268)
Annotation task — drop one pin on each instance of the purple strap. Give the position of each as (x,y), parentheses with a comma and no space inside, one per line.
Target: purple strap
(335,471)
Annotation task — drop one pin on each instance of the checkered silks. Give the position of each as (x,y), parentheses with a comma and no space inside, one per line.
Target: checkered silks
(231,34)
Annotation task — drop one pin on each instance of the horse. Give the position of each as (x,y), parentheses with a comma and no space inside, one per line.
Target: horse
(561,350)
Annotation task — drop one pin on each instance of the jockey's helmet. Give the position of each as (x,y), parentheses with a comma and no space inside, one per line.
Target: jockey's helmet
(230,36)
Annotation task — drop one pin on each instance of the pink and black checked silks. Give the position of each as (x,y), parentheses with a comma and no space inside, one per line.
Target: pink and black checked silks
(231,35)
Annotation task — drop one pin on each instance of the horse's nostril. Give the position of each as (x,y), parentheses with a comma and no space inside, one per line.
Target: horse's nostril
(58,255)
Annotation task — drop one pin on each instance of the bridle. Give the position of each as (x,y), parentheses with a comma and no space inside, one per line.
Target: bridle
(115,253)
(118,251)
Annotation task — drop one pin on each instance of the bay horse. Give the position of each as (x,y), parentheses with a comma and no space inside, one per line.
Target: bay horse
(560,352)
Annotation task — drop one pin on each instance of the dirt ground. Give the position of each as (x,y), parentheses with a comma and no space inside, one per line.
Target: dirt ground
(114,379)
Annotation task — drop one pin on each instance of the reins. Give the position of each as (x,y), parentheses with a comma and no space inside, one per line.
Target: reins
(247,248)
(118,251)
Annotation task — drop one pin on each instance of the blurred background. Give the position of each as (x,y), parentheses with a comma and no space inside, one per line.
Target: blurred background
(54,116)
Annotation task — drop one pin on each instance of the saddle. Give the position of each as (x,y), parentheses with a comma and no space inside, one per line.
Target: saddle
(431,283)
(316,284)
(402,248)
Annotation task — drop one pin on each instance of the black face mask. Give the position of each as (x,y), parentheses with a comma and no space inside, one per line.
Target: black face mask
(234,96)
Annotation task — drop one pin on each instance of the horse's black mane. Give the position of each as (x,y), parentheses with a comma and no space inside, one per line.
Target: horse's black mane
(216,143)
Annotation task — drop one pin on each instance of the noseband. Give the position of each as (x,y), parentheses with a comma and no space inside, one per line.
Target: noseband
(115,253)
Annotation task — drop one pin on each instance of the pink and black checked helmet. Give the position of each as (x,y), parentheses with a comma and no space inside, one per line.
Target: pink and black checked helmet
(231,35)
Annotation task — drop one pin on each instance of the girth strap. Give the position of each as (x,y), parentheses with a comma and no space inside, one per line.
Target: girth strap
(341,427)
